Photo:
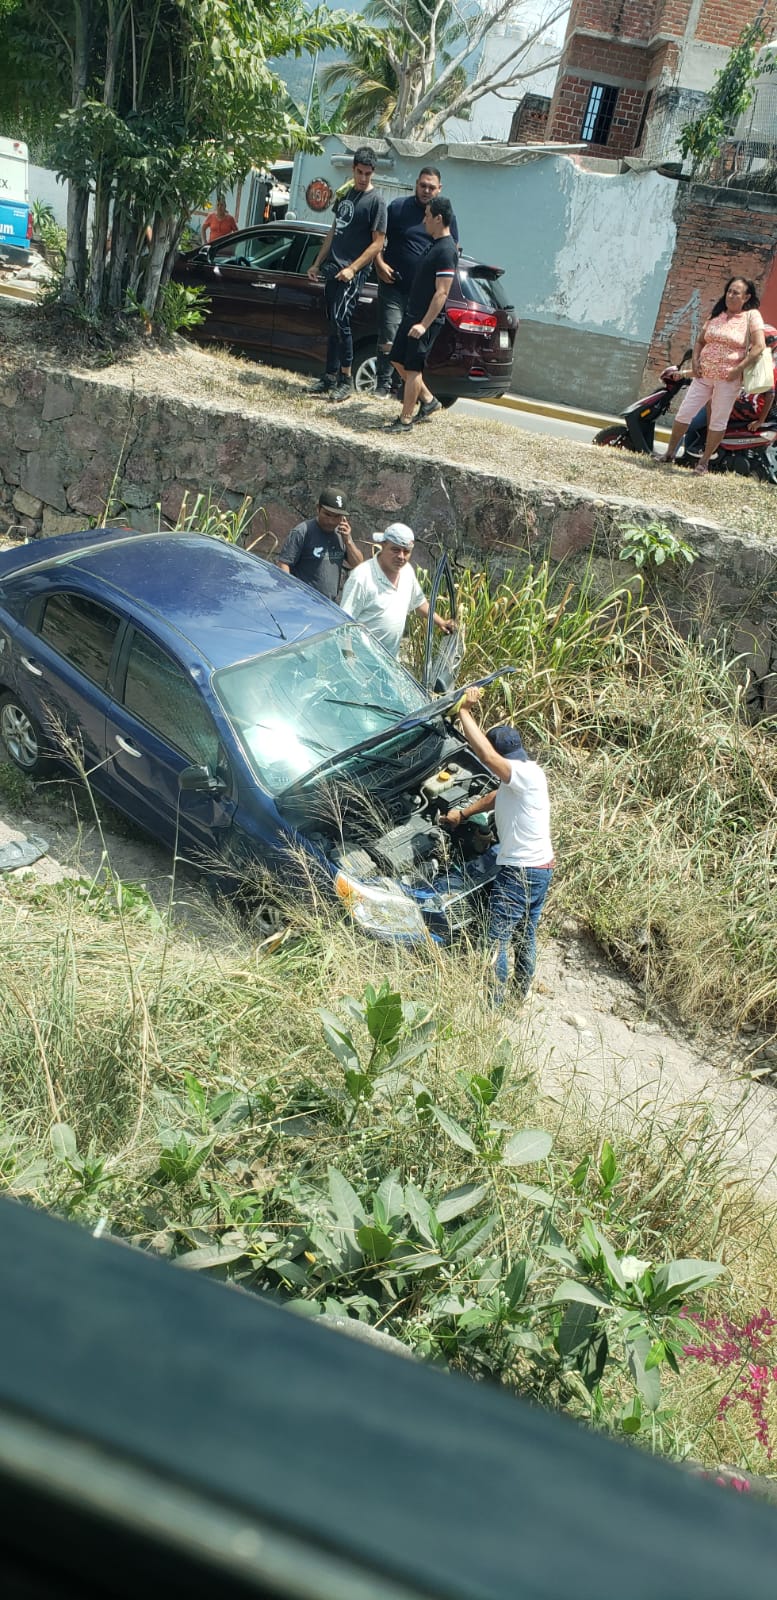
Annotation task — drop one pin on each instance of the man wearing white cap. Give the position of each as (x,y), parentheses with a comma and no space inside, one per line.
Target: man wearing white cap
(382,592)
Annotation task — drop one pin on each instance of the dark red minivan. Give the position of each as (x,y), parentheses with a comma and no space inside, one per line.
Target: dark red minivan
(262,301)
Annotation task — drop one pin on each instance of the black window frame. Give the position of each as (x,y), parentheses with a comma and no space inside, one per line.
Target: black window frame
(36,621)
(599,113)
(220,767)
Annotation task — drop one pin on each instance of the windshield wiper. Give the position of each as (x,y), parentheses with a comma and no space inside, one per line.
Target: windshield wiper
(368,705)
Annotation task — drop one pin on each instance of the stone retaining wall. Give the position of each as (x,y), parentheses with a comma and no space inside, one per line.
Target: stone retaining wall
(72,447)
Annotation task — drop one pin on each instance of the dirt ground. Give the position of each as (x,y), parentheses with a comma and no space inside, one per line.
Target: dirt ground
(586,1028)
(178,368)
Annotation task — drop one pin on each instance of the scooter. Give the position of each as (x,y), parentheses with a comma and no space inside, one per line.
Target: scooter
(753,454)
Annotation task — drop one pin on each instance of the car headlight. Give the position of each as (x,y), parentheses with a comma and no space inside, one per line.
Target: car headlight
(380,907)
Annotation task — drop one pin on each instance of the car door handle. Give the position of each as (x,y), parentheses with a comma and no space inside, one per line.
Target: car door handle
(129,749)
(36,671)
(264,285)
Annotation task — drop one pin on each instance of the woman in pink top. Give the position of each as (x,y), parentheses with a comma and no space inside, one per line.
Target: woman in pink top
(734,333)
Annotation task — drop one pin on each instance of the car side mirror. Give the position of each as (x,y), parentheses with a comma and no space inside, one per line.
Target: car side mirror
(199,780)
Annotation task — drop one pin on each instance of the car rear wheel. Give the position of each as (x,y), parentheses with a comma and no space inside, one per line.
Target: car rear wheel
(365,370)
(21,735)
(447,400)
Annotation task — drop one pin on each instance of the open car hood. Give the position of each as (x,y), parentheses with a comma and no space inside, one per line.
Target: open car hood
(428,713)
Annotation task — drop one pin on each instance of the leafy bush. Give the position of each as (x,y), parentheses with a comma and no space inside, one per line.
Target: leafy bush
(653,542)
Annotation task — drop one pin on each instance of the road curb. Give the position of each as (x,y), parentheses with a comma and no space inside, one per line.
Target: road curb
(559,413)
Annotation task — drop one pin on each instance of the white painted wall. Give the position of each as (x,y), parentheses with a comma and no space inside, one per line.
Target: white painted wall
(47,187)
(611,261)
(493,113)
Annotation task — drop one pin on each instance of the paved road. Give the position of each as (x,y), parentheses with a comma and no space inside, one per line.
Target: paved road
(531,422)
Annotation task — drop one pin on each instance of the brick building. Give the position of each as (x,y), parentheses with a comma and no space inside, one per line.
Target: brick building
(632,71)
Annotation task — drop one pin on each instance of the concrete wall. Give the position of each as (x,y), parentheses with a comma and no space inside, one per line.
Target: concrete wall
(67,443)
(46,186)
(585,253)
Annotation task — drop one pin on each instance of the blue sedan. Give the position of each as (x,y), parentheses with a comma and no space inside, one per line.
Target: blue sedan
(235,713)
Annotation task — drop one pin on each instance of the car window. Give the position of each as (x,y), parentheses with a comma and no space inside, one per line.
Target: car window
(257,250)
(484,289)
(159,693)
(83,632)
(312,247)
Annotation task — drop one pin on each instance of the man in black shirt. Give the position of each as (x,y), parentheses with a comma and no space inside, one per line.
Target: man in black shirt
(351,245)
(317,550)
(395,265)
(424,315)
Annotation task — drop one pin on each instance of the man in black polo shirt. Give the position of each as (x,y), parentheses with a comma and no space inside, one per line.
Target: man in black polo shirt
(317,550)
(424,315)
(395,265)
(350,247)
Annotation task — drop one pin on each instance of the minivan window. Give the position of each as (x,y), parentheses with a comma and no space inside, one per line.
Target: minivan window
(158,692)
(483,289)
(83,632)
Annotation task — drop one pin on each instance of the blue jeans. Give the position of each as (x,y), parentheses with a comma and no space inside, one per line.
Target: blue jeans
(517,899)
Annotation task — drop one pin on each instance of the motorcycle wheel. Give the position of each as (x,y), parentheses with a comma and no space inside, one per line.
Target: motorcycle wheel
(616,435)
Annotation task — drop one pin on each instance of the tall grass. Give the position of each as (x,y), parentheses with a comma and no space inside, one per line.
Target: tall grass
(665,795)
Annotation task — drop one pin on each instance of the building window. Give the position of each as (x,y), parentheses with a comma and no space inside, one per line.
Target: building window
(599,113)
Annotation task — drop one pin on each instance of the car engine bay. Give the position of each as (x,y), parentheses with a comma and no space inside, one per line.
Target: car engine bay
(396,831)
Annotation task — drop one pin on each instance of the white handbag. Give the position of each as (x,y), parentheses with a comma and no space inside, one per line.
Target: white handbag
(758,375)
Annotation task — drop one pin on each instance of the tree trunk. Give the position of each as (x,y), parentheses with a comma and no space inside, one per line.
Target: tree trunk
(164,228)
(74,276)
(122,234)
(102,202)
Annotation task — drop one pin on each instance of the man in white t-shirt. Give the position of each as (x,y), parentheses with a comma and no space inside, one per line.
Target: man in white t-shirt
(382,592)
(525,855)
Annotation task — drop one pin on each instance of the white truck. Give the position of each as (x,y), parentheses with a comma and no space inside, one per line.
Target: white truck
(15,212)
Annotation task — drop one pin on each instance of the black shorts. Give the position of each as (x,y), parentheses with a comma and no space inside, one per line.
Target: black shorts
(413,353)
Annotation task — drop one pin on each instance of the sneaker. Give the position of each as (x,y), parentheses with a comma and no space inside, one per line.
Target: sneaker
(325,385)
(398,426)
(343,390)
(383,391)
(424,412)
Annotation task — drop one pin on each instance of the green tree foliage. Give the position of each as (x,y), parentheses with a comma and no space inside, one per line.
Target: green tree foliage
(383,72)
(151,106)
(730,96)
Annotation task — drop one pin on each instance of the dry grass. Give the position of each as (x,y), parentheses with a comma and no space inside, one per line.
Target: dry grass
(108,1026)
(229,382)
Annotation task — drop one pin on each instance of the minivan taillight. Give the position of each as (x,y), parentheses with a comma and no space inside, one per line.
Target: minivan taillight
(470,321)
(29,224)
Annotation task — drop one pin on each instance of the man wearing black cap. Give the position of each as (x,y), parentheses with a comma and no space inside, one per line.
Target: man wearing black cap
(350,247)
(525,855)
(317,550)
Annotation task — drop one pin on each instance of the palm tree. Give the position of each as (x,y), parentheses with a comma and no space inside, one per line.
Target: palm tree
(375,68)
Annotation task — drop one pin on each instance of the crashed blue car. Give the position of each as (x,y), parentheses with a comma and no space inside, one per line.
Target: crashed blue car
(221,704)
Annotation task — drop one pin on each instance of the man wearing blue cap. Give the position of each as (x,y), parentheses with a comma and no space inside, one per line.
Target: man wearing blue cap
(381,593)
(525,855)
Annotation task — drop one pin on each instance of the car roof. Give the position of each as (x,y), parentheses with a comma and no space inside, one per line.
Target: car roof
(228,605)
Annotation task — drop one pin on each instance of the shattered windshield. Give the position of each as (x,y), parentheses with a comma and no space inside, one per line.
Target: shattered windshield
(296,707)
